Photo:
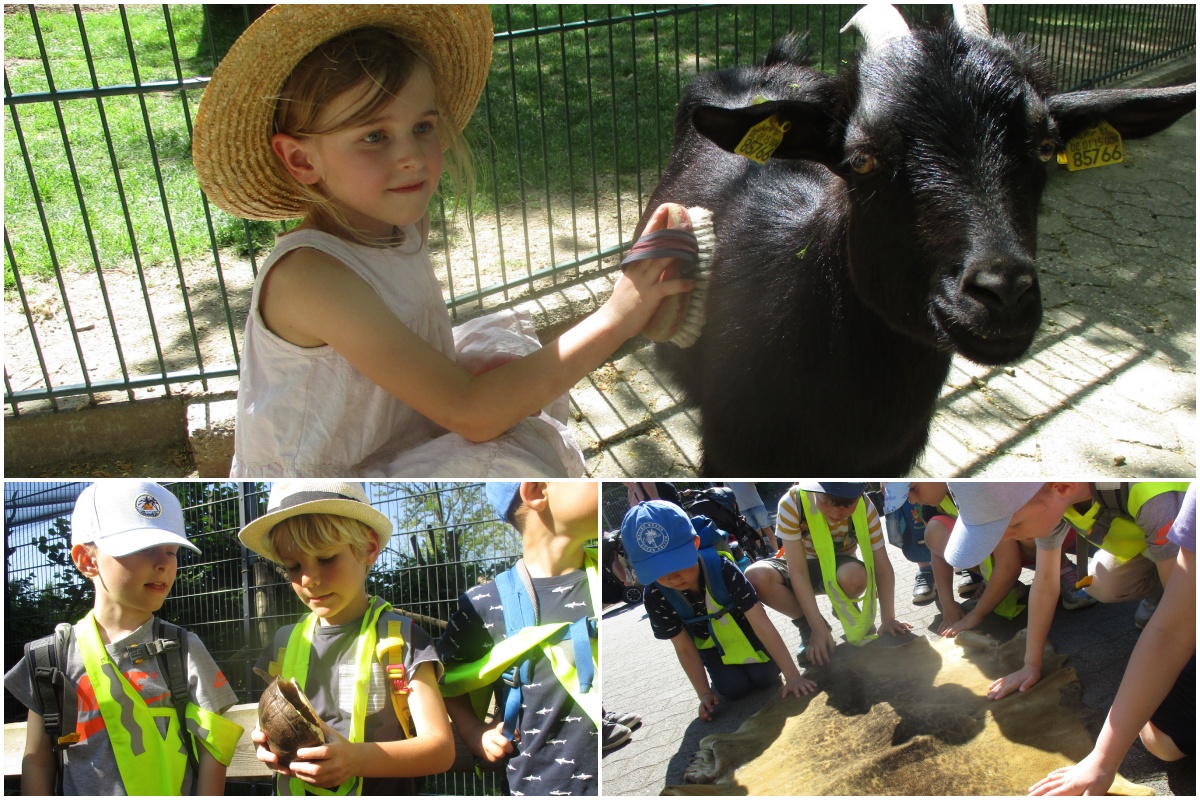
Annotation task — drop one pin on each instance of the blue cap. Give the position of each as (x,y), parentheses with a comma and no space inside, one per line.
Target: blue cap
(984,511)
(503,497)
(659,539)
(844,490)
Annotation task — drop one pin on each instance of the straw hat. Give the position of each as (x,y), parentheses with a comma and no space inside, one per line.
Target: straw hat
(292,498)
(231,145)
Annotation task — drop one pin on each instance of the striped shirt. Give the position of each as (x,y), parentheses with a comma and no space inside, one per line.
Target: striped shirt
(791,525)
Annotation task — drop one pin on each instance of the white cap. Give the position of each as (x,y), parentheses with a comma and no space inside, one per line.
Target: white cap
(122,517)
(984,511)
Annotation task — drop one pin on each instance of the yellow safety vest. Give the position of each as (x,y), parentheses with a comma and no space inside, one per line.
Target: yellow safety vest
(295,667)
(477,677)
(856,621)
(150,763)
(1124,538)
(735,645)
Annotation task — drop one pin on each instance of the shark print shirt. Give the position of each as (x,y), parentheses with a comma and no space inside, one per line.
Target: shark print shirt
(556,753)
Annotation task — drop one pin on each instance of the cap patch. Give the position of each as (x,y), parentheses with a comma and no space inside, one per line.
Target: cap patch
(148,506)
(652,537)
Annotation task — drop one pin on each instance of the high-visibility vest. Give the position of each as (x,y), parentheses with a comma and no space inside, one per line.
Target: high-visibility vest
(295,667)
(1124,539)
(556,643)
(724,632)
(1010,606)
(150,763)
(856,620)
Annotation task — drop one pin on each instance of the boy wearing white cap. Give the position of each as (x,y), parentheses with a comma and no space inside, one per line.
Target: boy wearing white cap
(370,673)
(1127,521)
(529,637)
(118,719)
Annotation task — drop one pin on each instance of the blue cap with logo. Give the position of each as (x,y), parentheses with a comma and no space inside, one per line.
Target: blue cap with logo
(659,539)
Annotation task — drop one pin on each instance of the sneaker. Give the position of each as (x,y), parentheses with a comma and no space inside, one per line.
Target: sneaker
(1072,598)
(1145,611)
(630,721)
(614,735)
(971,583)
(805,634)
(923,588)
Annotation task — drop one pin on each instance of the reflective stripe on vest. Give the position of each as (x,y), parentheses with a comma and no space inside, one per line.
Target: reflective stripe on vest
(855,621)
(149,762)
(295,667)
(1009,607)
(476,677)
(1124,539)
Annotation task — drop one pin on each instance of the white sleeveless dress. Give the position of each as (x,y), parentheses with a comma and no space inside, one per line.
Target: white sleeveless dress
(307,412)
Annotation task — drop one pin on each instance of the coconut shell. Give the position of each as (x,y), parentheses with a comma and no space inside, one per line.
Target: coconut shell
(288,720)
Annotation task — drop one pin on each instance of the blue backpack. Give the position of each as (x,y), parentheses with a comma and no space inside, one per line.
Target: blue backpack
(711,553)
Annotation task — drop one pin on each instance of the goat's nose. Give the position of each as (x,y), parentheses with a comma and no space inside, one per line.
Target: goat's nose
(1000,282)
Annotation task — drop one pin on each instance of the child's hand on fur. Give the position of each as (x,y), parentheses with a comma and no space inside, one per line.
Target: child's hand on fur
(708,704)
(642,287)
(796,685)
(328,765)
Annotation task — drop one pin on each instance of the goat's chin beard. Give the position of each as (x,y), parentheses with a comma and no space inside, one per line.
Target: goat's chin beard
(982,347)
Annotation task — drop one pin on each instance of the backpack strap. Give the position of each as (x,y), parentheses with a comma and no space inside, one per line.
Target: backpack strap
(45,659)
(390,653)
(520,611)
(170,645)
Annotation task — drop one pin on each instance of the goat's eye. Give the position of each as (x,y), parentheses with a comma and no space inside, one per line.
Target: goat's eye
(1047,149)
(863,163)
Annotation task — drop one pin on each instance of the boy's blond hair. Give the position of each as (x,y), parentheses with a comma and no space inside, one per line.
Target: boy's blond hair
(313,533)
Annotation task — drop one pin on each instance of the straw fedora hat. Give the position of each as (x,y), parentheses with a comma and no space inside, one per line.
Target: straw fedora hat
(231,146)
(292,498)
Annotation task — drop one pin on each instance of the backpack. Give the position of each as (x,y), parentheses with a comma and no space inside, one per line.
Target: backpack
(719,505)
(46,657)
(710,553)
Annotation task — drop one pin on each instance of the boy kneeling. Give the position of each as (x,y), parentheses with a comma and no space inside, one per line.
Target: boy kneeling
(732,638)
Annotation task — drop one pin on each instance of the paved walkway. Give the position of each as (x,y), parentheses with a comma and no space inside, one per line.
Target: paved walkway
(1107,389)
(643,675)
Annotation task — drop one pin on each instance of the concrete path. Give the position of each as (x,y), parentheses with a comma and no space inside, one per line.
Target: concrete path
(1107,389)
(642,675)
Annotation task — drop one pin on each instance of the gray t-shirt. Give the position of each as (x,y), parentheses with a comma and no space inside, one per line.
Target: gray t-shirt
(332,674)
(90,766)
(1154,518)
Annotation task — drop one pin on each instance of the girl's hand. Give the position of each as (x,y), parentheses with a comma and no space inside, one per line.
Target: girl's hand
(1090,776)
(796,685)
(708,704)
(494,747)
(1022,679)
(265,755)
(965,622)
(642,287)
(328,765)
(952,612)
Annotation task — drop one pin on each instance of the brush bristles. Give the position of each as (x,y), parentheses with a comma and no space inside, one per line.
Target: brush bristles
(692,323)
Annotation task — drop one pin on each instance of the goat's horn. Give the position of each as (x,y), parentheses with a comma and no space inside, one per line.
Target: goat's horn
(972,19)
(878,24)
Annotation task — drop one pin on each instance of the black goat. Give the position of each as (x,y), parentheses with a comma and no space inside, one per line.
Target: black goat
(894,226)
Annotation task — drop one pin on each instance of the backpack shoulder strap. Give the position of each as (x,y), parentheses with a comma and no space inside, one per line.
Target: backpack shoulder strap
(46,658)
(714,577)
(390,653)
(520,611)
(171,644)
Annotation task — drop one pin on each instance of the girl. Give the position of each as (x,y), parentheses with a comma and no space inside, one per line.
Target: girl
(346,115)
(327,536)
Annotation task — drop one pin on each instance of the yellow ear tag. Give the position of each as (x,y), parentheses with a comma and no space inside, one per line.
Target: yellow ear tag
(763,139)
(1095,147)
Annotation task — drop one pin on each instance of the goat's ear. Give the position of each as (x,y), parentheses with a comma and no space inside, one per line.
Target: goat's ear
(812,133)
(1133,112)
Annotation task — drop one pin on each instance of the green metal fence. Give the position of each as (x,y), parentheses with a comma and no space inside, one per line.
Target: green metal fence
(446,539)
(121,279)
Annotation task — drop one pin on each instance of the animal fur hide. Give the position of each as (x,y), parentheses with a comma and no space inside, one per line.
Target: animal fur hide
(911,719)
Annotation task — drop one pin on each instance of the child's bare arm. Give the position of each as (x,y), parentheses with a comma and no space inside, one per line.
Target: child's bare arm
(766,632)
(1043,599)
(210,780)
(37,765)
(693,667)
(483,740)
(429,752)
(310,298)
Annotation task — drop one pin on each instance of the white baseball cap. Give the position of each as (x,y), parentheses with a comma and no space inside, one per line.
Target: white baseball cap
(122,517)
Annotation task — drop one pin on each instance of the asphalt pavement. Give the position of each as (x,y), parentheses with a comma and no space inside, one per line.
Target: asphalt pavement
(642,675)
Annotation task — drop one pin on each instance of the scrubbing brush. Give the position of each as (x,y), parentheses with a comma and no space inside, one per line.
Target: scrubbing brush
(679,318)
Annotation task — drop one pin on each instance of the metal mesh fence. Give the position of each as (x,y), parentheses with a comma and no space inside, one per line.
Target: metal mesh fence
(446,539)
(122,280)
